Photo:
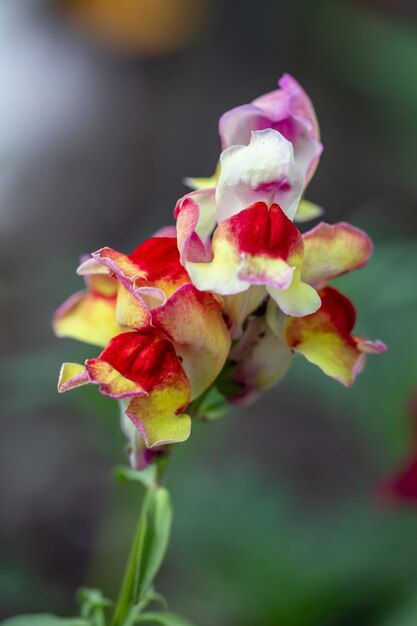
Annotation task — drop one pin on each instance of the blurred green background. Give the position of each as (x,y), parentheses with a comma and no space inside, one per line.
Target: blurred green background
(104,108)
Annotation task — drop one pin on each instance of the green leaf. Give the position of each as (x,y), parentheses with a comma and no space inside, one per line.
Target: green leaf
(93,597)
(93,605)
(154,540)
(137,609)
(148,550)
(163,619)
(43,619)
(153,597)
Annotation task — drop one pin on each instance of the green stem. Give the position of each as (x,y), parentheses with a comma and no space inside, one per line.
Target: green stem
(128,584)
(99,617)
(135,611)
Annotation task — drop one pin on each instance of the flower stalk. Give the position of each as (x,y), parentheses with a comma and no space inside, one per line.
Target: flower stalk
(148,547)
(126,594)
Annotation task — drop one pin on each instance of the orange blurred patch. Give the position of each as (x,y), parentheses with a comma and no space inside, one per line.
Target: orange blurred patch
(149,27)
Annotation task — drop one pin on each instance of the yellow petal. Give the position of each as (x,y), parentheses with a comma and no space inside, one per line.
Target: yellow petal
(71,375)
(88,317)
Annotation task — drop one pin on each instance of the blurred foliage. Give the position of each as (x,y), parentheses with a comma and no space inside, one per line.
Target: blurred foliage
(44,619)
(374,54)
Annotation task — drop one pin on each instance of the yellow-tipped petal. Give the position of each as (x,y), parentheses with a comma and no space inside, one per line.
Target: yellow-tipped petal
(131,310)
(333,250)
(72,375)
(193,320)
(89,317)
(307,211)
(203,183)
(155,416)
(325,338)
(298,299)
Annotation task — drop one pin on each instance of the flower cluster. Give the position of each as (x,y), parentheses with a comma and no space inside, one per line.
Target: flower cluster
(213,310)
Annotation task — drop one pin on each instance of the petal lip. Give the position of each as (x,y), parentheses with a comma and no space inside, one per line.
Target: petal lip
(132,311)
(65,307)
(257,246)
(160,416)
(262,171)
(298,300)
(105,257)
(101,256)
(181,434)
(254,275)
(196,219)
(71,375)
(105,391)
(152,292)
(371,347)
(152,269)
(105,388)
(193,320)
(190,245)
(325,338)
(346,226)
(91,265)
(89,317)
(332,250)
(356,370)
(138,424)
(231,136)
(307,211)
(287,110)
(303,106)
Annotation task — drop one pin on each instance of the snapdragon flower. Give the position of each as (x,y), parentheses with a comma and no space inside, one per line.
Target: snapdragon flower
(219,305)
(266,347)
(254,240)
(288,110)
(164,341)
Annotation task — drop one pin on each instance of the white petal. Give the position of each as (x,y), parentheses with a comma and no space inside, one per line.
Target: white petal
(263,171)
